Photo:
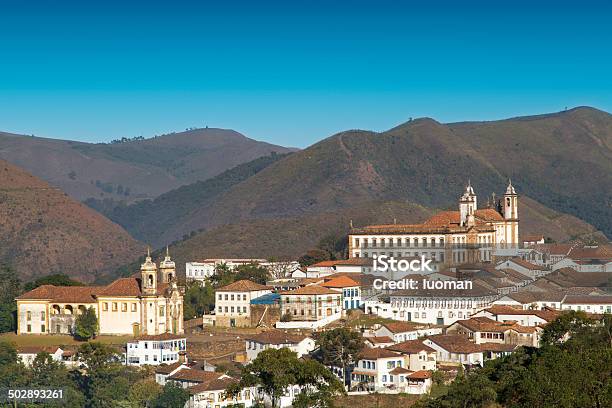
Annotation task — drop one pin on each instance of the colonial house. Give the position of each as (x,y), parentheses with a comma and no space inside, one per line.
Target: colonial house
(326,268)
(137,305)
(439,307)
(201,270)
(378,341)
(27,354)
(351,291)
(449,237)
(372,371)
(532,300)
(277,339)
(386,371)
(417,355)
(485,330)
(212,393)
(453,348)
(526,268)
(589,304)
(311,306)
(402,331)
(163,371)
(233,302)
(521,316)
(156,349)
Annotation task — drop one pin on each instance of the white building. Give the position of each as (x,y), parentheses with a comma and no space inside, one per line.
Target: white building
(523,317)
(157,349)
(27,354)
(351,291)
(403,331)
(449,237)
(233,302)
(589,304)
(416,354)
(203,269)
(309,307)
(277,339)
(438,307)
(526,268)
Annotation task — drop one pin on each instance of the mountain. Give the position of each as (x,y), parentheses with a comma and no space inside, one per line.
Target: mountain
(562,161)
(44,231)
(133,169)
(289,238)
(169,210)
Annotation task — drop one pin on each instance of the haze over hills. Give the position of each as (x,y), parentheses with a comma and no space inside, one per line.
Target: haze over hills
(44,231)
(135,169)
(560,163)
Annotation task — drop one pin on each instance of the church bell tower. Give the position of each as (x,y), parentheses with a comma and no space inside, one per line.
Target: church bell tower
(148,275)
(167,268)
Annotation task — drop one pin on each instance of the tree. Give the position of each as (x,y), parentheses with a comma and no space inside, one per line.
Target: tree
(274,370)
(564,326)
(313,256)
(96,356)
(10,288)
(340,347)
(252,272)
(58,279)
(8,354)
(172,396)
(86,324)
(143,393)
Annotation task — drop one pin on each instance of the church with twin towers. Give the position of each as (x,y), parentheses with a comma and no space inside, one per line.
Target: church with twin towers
(468,234)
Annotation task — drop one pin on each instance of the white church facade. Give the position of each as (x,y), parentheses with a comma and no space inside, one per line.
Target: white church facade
(449,237)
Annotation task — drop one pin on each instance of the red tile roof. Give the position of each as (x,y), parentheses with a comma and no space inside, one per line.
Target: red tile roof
(243,285)
(379,339)
(194,375)
(67,294)
(376,353)
(401,327)
(583,300)
(410,347)
(455,343)
(399,370)
(340,282)
(219,384)
(420,375)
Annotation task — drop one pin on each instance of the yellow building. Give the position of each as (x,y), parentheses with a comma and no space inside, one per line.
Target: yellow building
(137,305)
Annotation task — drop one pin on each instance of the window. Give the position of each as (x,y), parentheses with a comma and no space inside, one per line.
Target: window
(105,306)
(42,328)
(161,311)
(232,296)
(29,328)
(114,306)
(42,315)
(29,315)
(244,297)
(133,307)
(124,307)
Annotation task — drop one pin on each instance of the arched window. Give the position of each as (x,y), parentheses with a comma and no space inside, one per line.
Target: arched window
(150,280)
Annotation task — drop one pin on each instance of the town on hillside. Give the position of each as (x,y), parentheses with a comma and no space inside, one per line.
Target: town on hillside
(213,336)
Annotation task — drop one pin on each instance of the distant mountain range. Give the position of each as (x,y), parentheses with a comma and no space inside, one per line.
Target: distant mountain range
(136,169)
(560,163)
(44,231)
(282,204)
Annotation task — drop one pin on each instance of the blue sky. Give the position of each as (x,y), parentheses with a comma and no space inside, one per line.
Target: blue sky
(293,73)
